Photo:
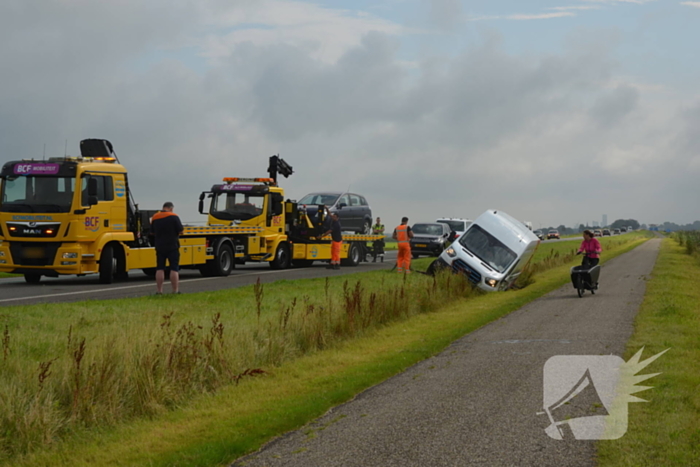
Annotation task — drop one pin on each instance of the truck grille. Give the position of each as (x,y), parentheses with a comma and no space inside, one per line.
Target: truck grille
(36,230)
(34,254)
(462,267)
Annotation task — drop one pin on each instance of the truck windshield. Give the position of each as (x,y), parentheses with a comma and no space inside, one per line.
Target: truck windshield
(488,248)
(36,194)
(237,206)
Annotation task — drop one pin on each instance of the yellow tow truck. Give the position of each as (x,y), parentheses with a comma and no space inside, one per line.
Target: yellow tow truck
(76,215)
(286,235)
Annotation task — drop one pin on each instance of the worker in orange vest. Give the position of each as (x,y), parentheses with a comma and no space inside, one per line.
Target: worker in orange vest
(335,232)
(403,235)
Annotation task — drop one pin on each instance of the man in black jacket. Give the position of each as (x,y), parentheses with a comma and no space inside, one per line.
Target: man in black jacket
(167,228)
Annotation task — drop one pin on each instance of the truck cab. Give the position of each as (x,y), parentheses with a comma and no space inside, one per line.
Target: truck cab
(56,215)
(257,203)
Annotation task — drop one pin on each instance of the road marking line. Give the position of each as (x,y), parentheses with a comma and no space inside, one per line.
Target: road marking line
(150,284)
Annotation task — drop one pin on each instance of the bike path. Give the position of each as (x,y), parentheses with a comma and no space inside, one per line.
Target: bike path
(476,403)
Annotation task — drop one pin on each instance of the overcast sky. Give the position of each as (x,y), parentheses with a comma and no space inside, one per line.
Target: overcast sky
(556,112)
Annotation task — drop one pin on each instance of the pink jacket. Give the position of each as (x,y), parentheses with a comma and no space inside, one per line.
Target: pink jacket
(591,248)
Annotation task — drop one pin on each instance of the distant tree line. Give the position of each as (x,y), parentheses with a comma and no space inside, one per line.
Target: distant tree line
(673,227)
(619,223)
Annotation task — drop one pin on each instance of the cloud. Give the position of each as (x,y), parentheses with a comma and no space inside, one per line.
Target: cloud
(451,135)
(324,33)
(613,2)
(522,17)
(692,4)
(579,7)
(445,14)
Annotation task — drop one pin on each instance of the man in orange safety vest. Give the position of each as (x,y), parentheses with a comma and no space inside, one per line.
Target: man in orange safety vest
(403,235)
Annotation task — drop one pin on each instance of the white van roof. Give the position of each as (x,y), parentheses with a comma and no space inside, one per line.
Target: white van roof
(513,233)
(452,219)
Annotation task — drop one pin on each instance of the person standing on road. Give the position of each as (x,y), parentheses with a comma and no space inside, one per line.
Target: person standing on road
(336,241)
(166,227)
(378,245)
(591,249)
(403,235)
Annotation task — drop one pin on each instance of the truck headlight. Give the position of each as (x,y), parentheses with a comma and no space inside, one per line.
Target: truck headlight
(490,282)
(70,255)
(2,261)
(451,252)
(2,253)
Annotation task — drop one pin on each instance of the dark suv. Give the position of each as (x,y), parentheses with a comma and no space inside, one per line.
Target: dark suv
(430,239)
(354,212)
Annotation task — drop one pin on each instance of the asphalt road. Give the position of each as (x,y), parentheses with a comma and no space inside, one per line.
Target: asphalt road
(15,291)
(476,403)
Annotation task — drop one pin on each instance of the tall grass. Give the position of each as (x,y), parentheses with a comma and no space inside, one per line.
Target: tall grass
(690,239)
(80,378)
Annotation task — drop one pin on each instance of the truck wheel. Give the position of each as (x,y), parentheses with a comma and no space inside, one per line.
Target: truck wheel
(150,272)
(223,263)
(120,272)
(415,255)
(282,259)
(354,256)
(32,278)
(107,265)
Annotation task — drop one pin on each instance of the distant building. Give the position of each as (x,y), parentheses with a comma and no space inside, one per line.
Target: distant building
(605,220)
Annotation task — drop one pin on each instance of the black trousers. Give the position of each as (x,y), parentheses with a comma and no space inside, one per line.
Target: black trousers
(589,262)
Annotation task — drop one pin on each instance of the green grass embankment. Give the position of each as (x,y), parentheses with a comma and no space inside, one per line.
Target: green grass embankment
(666,430)
(151,381)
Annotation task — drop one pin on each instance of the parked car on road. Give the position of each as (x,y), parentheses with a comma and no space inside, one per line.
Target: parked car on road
(597,233)
(539,234)
(429,239)
(616,232)
(553,234)
(606,232)
(491,253)
(353,210)
(457,224)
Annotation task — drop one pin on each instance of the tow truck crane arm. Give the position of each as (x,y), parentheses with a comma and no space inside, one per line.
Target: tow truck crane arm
(279,166)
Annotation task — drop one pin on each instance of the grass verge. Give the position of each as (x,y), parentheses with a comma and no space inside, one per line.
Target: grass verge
(220,426)
(665,431)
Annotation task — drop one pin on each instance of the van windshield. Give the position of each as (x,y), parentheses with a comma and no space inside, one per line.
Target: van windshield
(488,248)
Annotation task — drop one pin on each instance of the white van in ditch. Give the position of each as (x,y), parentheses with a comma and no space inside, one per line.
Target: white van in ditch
(492,252)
